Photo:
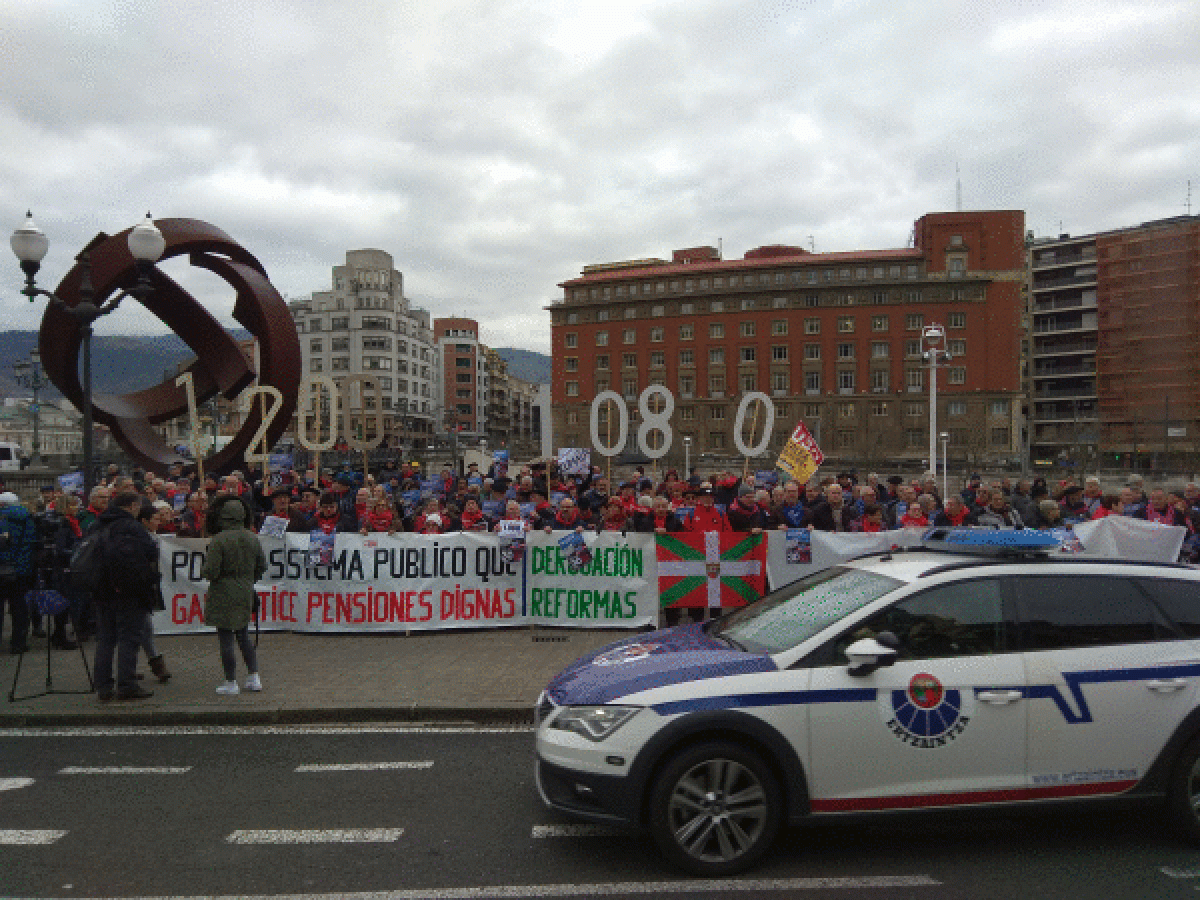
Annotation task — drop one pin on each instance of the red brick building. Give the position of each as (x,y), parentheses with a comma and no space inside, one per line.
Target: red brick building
(464,376)
(833,338)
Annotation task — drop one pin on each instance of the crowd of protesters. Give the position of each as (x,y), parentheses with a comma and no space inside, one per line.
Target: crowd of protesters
(401,498)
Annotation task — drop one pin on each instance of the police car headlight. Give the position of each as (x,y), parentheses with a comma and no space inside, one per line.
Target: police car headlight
(593,722)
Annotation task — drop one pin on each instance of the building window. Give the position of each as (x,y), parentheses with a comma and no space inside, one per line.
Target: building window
(914,379)
(749,303)
(957,375)
(717,306)
(812,300)
(316,364)
(572,388)
(601,338)
(845,351)
(914,321)
(879,323)
(656,335)
(602,315)
(780,382)
(687,357)
(629,336)
(912,296)
(687,385)
(779,326)
(957,320)
(658,359)
(956,408)
(879,298)
(845,410)
(956,348)
(779,353)
(914,409)
(716,440)
(812,382)
(571,340)
(779,303)
(879,409)
(812,326)
(342,323)
(748,382)
(914,438)
(314,346)
(686,332)
(845,325)
(880,381)
(812,410)
(687,413)
(845,381)
(716,356)
(572,363)
(999,437)
(572,417)
(629,360)
(341,364)
(602,361)
(717,413)
(998,407)
(631,312)
(748,354)
(716,330)
(912,349)
(880,350)
(716,384)
(812,351)
(460,378)
(658,310)
(314,325)
(340,345)
(629,387)
(746,329)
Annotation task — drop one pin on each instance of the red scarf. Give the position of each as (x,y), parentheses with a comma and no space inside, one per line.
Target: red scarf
(954,520)
(871,527)
(379,521)
(472,521)
(573,521)
(910,519)
(327,525)
(74,523)
(617,522)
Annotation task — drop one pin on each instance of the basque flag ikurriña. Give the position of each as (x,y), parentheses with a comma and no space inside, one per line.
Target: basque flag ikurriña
(713,568)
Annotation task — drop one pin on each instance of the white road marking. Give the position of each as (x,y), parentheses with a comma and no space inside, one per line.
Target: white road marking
(11,784)
(249,730)
(125,770)
(364,767)
(326,836)
(552,831)
(604,889)
(29,836)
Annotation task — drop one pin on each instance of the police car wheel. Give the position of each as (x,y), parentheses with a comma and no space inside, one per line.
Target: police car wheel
(1184,793)
(715,809)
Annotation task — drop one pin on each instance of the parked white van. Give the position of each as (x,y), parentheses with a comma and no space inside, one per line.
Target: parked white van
(10,457)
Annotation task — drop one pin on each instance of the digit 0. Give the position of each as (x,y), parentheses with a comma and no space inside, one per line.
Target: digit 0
(622,418)
(740,421)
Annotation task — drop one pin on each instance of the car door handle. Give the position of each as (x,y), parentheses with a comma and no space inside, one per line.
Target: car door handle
(1167,685)
(999,698)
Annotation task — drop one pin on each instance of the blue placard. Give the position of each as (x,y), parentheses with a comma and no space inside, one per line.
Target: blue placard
(493,509)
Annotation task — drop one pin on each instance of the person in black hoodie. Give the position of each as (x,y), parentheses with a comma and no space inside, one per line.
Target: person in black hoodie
(127,593)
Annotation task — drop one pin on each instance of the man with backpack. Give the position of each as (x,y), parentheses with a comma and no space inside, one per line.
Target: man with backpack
(124,577)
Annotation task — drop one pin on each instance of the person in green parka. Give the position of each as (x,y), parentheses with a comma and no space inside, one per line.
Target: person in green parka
(235,562)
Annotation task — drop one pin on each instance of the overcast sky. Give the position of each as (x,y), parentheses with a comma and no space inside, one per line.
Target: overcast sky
(495,148)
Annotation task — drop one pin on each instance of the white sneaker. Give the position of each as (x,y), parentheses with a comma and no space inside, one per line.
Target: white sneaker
(229,687)
(253,682)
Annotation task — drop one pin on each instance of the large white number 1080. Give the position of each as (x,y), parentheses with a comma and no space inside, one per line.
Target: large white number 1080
(661,421)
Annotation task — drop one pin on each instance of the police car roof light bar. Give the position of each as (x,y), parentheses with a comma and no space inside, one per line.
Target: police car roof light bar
(989,541)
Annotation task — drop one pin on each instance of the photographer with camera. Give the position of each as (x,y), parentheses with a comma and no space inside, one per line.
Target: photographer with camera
(50,521)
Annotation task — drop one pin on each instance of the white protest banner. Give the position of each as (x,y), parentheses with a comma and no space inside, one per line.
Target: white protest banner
(825,549)
(616,587)
(375,583)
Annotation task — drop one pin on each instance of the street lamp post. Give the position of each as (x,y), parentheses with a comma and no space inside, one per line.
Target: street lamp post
(933,349)
(687,457)
(146,244)
(28,373)
(945,437)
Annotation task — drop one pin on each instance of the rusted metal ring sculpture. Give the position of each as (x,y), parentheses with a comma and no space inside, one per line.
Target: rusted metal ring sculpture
(220,365)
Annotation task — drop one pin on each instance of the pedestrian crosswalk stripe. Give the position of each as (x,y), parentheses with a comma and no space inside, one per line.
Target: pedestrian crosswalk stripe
(364,767)
(327,836)
(11,784)
(13,837)
(124,770)
(550,831)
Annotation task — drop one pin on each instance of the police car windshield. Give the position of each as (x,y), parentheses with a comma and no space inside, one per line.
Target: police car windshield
(797,611)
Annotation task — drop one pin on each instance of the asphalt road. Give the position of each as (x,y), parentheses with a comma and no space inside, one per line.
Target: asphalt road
(444,812)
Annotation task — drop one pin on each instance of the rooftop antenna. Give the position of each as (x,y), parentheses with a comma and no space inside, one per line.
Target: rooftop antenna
(720,248)
(1189,197)
(812,244)
(957,189)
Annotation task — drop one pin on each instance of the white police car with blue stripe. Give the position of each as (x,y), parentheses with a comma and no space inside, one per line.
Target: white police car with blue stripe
(981,668)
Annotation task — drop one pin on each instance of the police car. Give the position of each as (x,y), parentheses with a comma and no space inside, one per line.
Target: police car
(981,668)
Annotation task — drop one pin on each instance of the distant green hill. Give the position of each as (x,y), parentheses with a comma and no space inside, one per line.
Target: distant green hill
(526,364)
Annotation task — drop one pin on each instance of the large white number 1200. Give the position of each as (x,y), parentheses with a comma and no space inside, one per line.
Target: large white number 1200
(661,421)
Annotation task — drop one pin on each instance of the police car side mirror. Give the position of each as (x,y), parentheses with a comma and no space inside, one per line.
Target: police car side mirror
(868,654)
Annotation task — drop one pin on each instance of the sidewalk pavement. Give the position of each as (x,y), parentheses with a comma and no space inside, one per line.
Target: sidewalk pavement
(477,676)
